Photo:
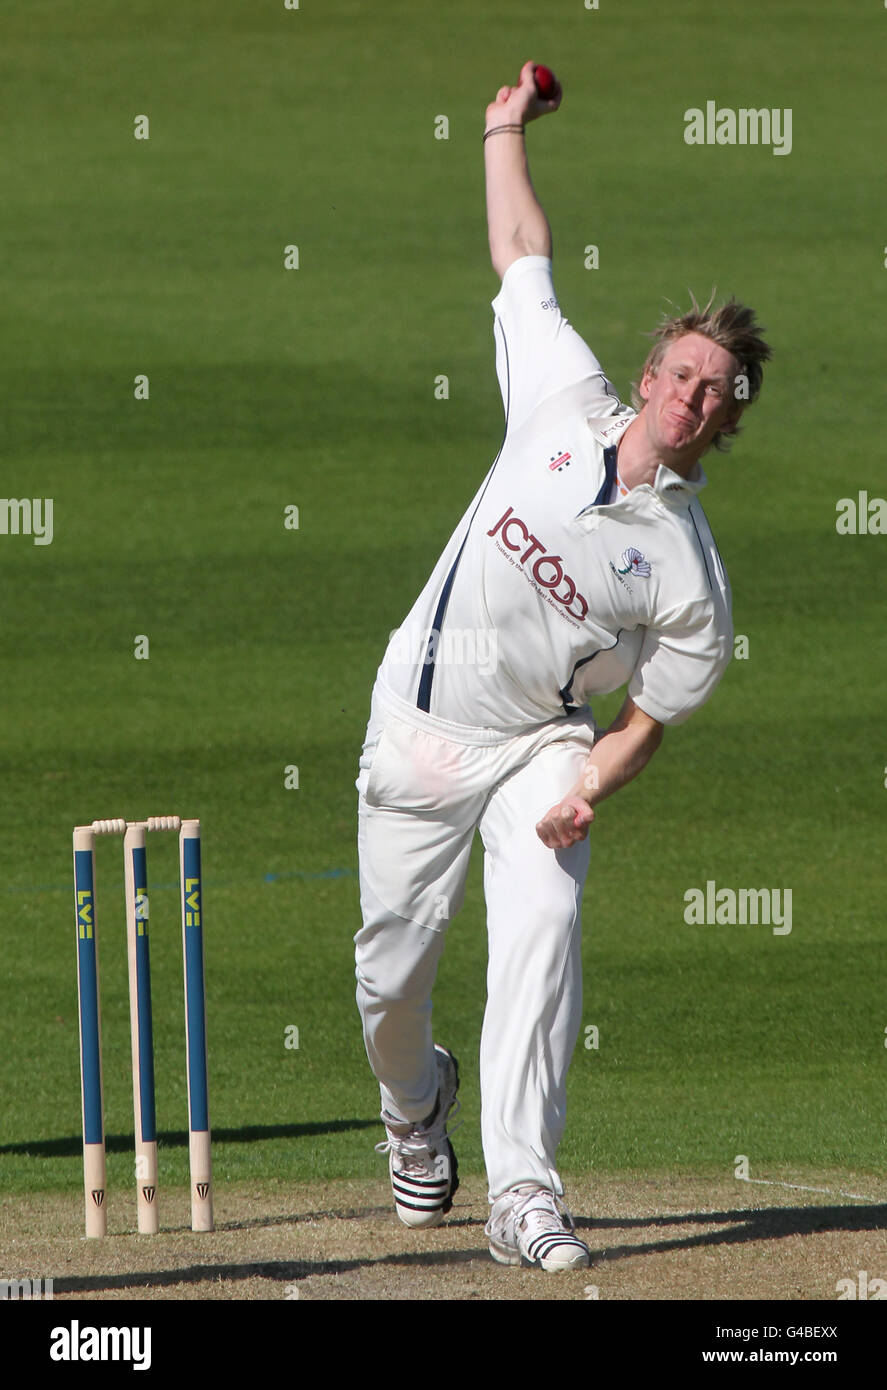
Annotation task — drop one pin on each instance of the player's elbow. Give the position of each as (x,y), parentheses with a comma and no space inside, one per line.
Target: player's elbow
(501,258)
(505,253)
(505,250)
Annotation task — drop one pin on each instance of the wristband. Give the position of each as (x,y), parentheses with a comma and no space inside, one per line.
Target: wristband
(497,129)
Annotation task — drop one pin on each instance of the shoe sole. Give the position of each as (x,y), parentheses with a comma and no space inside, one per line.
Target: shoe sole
(503,1256)
(509,1255)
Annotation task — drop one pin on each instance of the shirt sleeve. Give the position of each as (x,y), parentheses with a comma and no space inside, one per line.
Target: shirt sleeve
(538,352)
(682,661)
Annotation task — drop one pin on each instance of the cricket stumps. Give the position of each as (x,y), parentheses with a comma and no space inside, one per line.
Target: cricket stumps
(141,1024)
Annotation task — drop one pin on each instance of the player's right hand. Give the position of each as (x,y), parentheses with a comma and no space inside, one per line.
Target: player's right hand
(566,823)
(521,103)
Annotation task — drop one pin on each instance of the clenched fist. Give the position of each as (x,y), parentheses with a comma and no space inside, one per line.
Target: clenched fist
(566,823)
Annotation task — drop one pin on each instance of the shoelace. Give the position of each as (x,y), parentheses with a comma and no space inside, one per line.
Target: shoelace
(412,1146)
(549,1213)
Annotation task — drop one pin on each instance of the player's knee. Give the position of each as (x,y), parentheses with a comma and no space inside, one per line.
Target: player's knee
(545,903)
(398,965)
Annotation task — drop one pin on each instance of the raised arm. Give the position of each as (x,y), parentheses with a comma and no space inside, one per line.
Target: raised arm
(515,220)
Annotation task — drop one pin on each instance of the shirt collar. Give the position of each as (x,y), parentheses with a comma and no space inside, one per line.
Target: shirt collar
(611,428)
(670,487)
(676,491)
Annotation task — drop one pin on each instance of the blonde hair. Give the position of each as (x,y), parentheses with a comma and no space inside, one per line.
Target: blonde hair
(733,327)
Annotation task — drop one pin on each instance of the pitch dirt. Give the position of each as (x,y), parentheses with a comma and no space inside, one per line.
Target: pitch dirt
(653,1237)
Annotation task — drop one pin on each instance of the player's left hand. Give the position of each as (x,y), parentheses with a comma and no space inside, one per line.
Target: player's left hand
(566,823)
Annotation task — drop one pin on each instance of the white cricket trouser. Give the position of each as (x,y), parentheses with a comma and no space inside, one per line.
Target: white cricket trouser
(425,786)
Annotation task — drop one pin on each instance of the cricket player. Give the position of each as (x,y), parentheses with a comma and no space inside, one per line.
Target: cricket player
(583,564)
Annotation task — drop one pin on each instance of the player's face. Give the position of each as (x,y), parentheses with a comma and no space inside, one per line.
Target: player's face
(691,396)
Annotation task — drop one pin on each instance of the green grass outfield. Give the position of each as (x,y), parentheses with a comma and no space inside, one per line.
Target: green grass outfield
(315,387)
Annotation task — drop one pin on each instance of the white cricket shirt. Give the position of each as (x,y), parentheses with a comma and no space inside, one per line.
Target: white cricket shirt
(549,592)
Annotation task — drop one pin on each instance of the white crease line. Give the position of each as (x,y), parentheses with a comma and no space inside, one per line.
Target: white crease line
(799,1187)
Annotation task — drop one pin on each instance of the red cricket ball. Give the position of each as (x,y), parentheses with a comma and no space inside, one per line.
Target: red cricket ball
(546,85)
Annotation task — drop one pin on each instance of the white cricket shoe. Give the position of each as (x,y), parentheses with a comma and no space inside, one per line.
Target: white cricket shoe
(528,1226)
(422,1163)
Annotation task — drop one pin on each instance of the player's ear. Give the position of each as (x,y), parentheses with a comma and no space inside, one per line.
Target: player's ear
(646,384)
